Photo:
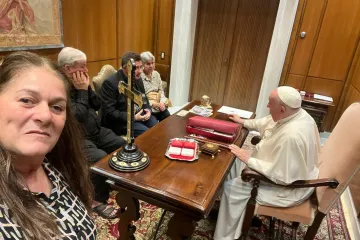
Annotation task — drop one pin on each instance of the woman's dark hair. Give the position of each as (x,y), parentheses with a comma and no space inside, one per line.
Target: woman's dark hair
(67,157)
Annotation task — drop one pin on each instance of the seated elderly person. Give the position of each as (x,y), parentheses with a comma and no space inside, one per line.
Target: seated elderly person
(288,151)
(153,87)
(114,104)
(99,141)
(45,192)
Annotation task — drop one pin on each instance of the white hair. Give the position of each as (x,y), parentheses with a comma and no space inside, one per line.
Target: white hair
(69,56)
(147,56)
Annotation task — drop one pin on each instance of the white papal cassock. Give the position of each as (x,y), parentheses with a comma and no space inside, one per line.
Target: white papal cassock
(287,152)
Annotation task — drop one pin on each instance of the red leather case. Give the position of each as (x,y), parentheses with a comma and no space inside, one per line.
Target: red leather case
(211,128)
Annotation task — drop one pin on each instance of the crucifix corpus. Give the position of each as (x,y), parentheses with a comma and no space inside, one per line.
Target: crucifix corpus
(130,158)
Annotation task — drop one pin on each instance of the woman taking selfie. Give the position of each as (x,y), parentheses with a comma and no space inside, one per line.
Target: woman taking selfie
(45,191)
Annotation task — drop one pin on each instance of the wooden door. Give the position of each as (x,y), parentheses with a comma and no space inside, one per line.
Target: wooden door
(252,37)
(305,45)
(216,22)
(147,26)
(163,34)
(232,43)
(337,40)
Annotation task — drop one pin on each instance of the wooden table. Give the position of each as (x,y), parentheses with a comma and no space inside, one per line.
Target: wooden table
(188,189)
(318,109)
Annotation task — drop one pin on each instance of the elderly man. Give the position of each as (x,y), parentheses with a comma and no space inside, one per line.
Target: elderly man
(114,104)
(153,87)
(99,141)
(287,152)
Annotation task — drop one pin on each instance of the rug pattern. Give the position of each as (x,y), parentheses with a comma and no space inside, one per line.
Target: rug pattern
(333,227)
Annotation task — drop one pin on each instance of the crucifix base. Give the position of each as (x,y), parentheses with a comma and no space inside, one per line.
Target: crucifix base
(129,159)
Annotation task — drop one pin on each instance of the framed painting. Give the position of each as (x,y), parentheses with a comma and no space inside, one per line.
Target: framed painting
(30,24)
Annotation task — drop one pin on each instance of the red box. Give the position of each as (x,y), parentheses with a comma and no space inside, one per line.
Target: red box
(215,129)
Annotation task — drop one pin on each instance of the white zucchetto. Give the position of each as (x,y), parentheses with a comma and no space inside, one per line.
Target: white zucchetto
(289,96)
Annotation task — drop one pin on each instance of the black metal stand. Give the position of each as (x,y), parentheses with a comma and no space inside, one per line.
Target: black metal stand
(129,159)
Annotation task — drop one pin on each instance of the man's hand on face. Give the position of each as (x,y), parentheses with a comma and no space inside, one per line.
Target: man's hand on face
(241,154)
(162,106)
(80,80)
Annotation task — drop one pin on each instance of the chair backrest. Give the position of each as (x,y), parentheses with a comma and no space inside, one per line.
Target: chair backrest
(105,72)
(164,71)
(340,156)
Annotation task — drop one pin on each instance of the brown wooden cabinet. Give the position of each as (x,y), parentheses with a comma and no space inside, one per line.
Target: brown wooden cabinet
(324,42)
(231,48)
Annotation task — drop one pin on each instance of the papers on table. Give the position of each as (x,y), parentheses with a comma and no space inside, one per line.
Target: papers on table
(205,112)
(322,97)
(230,110)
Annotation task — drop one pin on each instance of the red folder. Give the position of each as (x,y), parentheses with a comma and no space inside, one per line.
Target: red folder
(215,129)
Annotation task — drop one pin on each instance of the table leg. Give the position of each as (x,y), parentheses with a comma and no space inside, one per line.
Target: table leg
(129,211)
(180,227)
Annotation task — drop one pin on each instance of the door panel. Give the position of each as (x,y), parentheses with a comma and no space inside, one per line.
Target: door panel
(253,31)
(295,81)
(337,40)
(304,46)
(215,22)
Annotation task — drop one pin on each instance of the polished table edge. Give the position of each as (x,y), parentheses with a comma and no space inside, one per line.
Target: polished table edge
(172,199)
(169,199)
(143,193)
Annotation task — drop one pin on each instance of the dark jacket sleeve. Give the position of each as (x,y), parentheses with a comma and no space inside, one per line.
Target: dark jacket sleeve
(109,99)
(80,104)
(94,100)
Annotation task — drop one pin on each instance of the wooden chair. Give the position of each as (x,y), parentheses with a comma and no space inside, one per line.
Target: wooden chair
(339,161)
(164,71)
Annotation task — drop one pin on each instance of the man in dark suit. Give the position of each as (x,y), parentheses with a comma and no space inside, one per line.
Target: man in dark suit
(99,141)
(114,104)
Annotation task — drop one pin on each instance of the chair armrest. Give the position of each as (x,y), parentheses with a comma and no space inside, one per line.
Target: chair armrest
(248,174)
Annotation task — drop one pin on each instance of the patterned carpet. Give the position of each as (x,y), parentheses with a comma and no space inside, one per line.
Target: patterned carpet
(333,226)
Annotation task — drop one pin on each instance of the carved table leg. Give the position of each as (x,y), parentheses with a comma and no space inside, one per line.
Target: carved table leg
(129,211)
(180,227)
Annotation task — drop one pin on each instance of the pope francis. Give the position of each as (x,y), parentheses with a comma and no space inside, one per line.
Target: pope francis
(287,152)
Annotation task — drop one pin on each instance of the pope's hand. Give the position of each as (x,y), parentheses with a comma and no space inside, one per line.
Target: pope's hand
(241,154)
(236,118)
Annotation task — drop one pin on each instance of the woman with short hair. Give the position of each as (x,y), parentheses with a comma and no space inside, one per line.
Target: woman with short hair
(153,87)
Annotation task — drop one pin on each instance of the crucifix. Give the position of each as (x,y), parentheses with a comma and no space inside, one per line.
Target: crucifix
(130,158)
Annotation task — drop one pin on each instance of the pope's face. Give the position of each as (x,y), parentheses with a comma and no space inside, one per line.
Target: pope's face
(274,106)
(33,112)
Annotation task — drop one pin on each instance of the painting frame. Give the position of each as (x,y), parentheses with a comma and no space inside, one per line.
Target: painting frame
(30,41)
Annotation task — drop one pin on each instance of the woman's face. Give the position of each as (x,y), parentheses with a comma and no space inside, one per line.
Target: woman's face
(32,112)
(149,67)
